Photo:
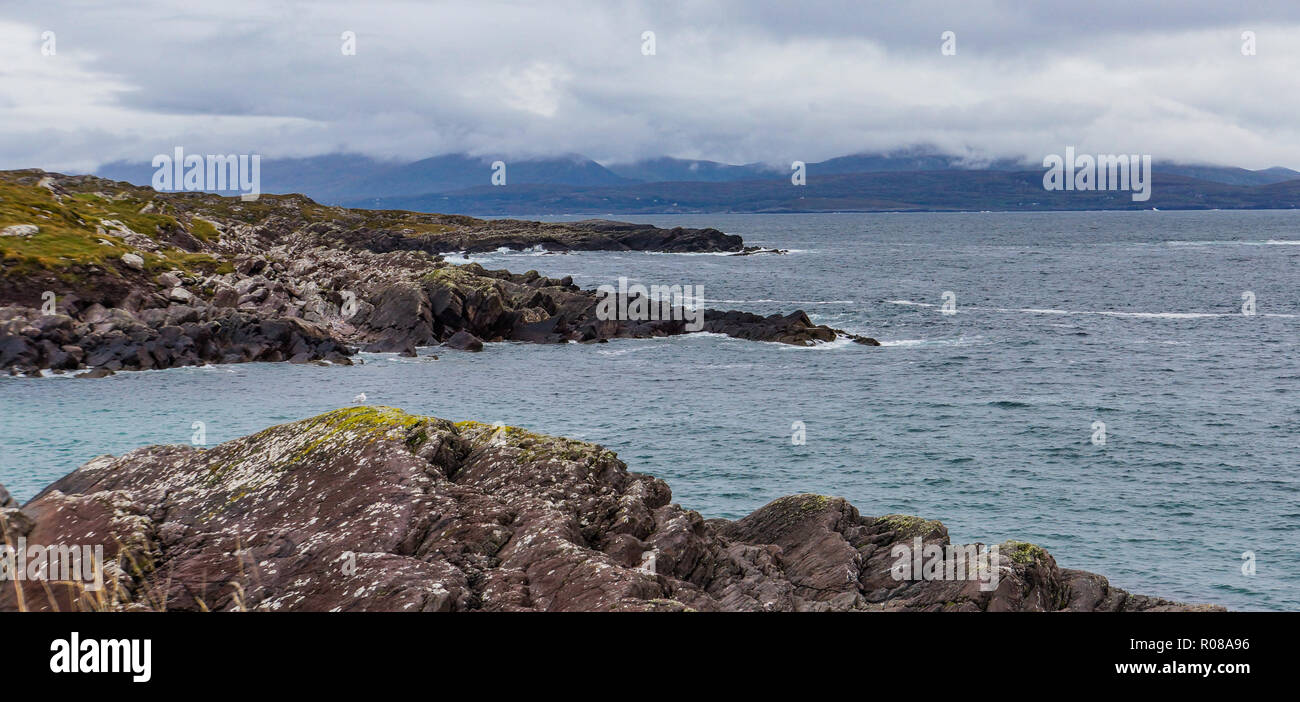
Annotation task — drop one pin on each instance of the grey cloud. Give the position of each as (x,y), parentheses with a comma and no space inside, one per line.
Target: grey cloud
(732,80)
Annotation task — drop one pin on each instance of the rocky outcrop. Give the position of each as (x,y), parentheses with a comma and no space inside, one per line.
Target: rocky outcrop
(111,340)
(588,235)
(374,509)
(130,279)
(501,306)
(794,328)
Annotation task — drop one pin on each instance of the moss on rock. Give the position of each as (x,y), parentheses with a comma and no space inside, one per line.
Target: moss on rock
(1023,552)
(908,525)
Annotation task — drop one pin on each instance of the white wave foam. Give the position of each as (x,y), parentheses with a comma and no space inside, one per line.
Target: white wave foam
(681,253)
(1160,315)
(458,258)
(622,352)
(1102,313)
(839,342)
(461,258)
(537,250)
(1240,242)
(784,302)
(959,341)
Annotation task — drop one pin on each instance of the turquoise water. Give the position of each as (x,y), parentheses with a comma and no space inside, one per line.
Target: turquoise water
(983,419)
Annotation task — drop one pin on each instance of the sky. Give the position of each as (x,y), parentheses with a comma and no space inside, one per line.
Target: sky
(85,82)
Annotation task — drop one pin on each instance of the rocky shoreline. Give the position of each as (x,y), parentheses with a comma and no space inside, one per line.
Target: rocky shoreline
(370,508)
(102,276)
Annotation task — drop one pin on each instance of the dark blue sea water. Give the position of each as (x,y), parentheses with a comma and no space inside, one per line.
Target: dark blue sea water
(983,419)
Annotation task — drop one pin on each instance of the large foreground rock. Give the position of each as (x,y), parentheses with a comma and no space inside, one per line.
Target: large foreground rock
(374,509)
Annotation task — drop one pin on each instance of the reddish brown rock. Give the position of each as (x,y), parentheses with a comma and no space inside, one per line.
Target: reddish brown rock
(374,509)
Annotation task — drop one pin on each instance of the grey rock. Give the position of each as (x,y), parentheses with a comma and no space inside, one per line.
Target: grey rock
(20,230)
(464,341)
(226,297)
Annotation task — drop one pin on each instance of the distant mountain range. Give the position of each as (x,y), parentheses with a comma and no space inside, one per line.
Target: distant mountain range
(907,180)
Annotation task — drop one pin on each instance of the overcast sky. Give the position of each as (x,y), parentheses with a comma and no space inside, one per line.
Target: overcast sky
(731,80)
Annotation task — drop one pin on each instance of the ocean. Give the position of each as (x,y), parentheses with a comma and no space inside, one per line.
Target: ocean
(1097,390)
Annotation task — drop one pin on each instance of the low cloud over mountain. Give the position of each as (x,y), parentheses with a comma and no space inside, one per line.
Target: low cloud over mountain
(731,81)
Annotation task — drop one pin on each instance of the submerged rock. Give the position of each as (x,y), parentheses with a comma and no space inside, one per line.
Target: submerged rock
(96,373)
(369,508)
(464,341)
(794,328)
